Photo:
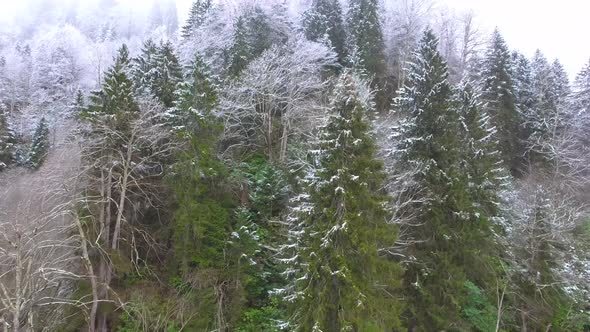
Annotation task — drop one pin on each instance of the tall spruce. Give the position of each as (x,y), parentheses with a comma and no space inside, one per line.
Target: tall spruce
(323,22)
(7,140)
(115,100)
(142,67)
(196,17)
(39,145)
(167,73)
(498,95)
(347,281)
(450,233)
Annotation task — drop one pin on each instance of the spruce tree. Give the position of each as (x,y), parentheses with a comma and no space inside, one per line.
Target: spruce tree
(323,23)
(481,161)
(366,37)
(115,100)
(167,73)
(142,68)
(196,17)
(498,95)
(7,140)
(39,145)
(347,282)
(450,232)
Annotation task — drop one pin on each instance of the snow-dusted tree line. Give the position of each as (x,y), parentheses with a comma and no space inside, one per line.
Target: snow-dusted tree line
(319,165)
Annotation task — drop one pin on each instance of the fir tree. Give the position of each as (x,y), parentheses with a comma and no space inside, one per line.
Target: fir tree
(481,160)
(498,95)
(323,23)
(39,145)
(167,73)
(451,233)
(115,99)
(6,140)
(347,282)
(366,37)
(79,103)
(196,97)
(142,68)
(253,34)
(196,17)
(580,95)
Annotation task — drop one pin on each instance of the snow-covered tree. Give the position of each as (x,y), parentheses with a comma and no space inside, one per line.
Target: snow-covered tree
(6,140)
(498,95)
(196,18)
(39,145)
(166,74)
(347,281)
(449,235)
(481,160)
(115,99)
(323,22)
(276,98)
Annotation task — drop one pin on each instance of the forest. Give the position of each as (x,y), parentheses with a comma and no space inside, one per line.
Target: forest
(271,165)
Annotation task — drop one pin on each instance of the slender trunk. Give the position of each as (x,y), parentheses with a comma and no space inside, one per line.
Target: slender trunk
(500,304)
(122,198)
(18,289)
(93,282)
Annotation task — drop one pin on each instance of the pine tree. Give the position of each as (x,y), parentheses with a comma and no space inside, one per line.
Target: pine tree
(196,17)
(167,73)
(254,33)
(498,95)
(366,37)
(115,99)
(580,96)
(340,252)
(7,140)
(39,145)
(450,230)
(196,97)
(323,23)
(142,68)
(546,119)
(481,159)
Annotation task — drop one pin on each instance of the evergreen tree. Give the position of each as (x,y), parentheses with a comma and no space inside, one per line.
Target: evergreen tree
(366,37)
(39,145)
(196,17)
(347,282)
(115,99)
(142,67)
(167,73)
(546,118)
(451,232)
(79,103)
(481,159)
(196,97)
(580,95)
(323,23)
(6,140)
(254,33)
(498,95)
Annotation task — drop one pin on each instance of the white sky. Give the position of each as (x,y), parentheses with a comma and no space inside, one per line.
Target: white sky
(557,28)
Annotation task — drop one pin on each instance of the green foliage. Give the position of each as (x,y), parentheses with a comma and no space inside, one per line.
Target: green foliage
(253,34)
(260,320)
(478,310)
(454,239)
(498,95)
(7,141)
(114,101)
(339,247)
(323,23)
(39,145)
